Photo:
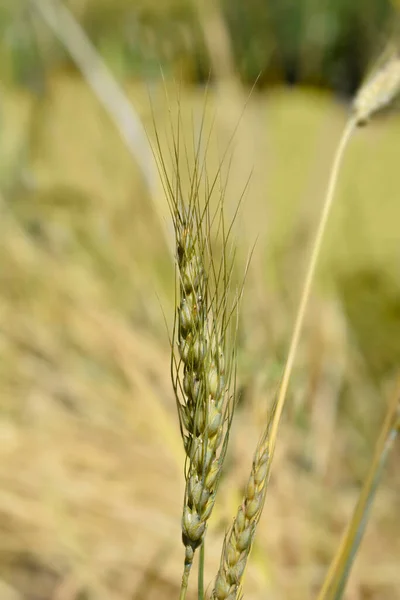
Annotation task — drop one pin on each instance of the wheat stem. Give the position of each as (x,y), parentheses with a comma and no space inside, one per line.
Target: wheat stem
(200,585)
(184,584)
(316,248)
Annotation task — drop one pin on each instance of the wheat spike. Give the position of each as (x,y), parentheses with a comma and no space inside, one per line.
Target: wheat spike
(203,342)
(378,91)
(239,540)
(202,375)
(200,384)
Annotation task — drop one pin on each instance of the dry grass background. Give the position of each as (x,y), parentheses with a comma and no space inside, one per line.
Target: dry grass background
(91,469)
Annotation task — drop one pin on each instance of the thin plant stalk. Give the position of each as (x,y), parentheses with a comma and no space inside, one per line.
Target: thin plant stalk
(200,583)
(330,193)
(336,579)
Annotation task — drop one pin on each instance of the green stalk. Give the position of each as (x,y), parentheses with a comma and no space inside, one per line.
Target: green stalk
(315,252)
(336,579)
(200,585)
(185,581)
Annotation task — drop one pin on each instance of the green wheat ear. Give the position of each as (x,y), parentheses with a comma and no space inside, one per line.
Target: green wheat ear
(203,342)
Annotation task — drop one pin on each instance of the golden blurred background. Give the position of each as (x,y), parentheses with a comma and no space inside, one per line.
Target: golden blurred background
(91,469)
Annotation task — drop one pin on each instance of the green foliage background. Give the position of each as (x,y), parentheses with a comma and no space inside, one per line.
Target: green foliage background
(328,43)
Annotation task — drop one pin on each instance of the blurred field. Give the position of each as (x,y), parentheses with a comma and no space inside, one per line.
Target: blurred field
(91,472)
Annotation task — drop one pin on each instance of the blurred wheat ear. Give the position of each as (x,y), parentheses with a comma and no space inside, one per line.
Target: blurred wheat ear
(378,91)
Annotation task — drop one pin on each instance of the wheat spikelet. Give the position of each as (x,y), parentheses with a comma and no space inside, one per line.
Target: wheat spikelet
(378,91)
